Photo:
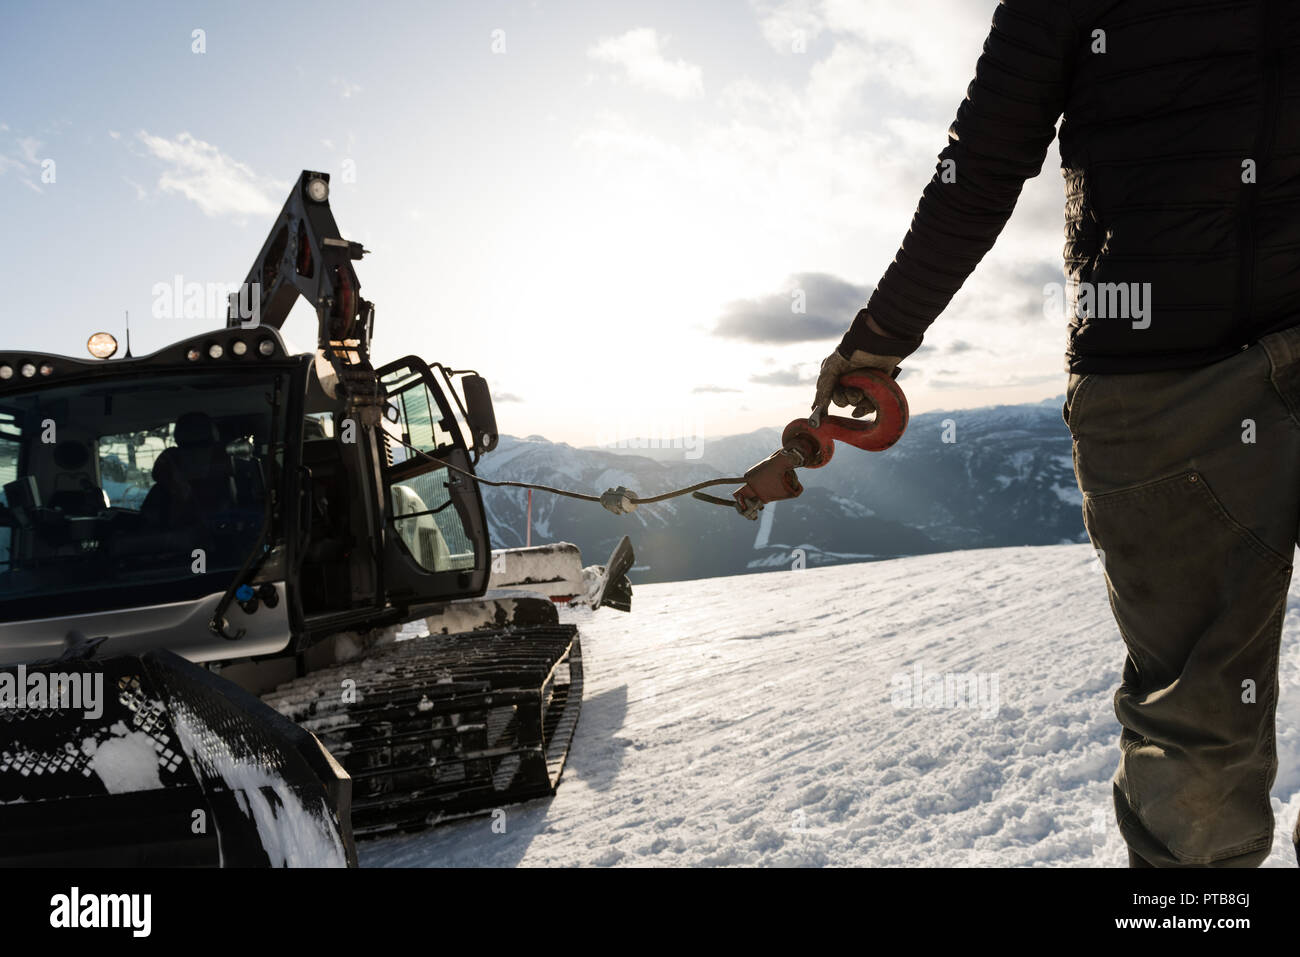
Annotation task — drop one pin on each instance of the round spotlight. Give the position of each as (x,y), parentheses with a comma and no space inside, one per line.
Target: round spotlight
(194,355)
(318,190)
(6,372)
(28,370)
(266,347)
(102,345)
(239,347)
(215,351)
(47,369)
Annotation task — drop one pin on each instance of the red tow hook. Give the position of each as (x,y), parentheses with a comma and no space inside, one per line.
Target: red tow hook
(811,446)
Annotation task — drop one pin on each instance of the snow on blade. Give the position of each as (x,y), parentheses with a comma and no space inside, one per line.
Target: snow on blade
(125,762)
(762,720)
(292,834)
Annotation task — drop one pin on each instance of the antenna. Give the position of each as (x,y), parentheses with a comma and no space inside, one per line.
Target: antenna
(128,335)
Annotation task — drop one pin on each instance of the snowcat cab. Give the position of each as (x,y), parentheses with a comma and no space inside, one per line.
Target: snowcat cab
(237,505)
(214,491)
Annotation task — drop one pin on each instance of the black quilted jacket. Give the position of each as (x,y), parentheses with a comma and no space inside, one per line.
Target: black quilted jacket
(1180,148)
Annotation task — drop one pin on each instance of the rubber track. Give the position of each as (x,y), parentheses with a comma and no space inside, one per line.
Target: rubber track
(435,728)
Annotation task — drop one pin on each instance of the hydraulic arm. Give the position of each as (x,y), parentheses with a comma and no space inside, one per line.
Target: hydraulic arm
(305,255)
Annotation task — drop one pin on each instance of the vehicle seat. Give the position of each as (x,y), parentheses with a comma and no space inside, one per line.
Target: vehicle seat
(193,478)
(75,491)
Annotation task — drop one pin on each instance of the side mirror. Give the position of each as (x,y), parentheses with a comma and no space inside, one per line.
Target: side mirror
(479,414)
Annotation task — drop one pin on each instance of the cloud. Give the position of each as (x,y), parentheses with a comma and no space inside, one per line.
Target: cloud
(216,183)
(914,48)
(1019,380)
(1039,272)
(819,162)
(1015,381)
(712,388)
(790,25)
(829,305)
(25,161)
(785,377)
(505,397)
(1006,292)
(345,87)
(29,145)
(640,53)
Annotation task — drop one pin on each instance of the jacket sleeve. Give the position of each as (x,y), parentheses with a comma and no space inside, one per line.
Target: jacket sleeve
(998,140)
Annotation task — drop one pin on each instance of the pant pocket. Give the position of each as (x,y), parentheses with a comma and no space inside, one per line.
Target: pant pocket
(1072,387)
(1198,599)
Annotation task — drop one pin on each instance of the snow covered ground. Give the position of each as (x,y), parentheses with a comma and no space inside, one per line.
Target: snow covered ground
(762,720)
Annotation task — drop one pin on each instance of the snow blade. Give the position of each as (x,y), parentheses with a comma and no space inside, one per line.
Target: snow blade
(551,570)
(178,768)
(556,571)
(614,590)
(446,726)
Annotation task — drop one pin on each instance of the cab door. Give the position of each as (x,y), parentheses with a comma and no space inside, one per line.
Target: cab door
(436,544)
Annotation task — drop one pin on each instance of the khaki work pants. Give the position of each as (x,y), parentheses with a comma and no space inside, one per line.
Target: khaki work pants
(1191,496)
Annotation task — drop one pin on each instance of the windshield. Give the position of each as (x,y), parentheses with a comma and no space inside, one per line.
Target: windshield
(130,491)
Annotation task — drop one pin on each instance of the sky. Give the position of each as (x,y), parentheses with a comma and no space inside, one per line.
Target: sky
(607,209)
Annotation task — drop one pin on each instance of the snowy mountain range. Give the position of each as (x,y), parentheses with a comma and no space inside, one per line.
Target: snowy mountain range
(973,478)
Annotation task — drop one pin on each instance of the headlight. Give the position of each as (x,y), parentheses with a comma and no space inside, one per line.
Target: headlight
(102,345)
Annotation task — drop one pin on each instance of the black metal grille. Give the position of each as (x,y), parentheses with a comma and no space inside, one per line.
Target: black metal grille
(48,753)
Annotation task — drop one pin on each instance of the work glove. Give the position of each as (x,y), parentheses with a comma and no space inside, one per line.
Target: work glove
(834,367)
(848,359)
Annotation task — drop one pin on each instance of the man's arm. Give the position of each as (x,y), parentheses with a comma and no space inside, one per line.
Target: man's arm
(999,139)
